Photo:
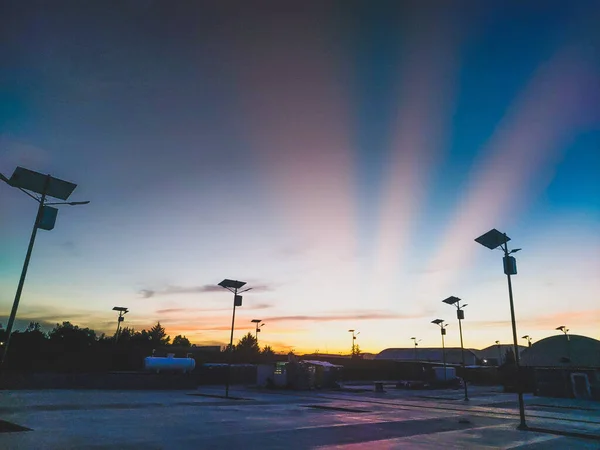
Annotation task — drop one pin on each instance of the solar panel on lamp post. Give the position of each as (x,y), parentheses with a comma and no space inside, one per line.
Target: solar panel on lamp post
(442,326)
(232,286)
(528,339)
(122,311)
(460,314)
(30,183)
(492,240)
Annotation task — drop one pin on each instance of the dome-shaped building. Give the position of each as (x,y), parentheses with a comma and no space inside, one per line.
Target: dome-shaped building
(563,351)
(565,366)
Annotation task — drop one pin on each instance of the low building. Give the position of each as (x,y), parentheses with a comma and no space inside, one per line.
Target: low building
(496,355)
(436,355)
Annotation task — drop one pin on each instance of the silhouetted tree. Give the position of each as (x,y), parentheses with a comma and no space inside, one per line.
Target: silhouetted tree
(33,327)
(247,348)
(267,351)
(181,341)
(356,354)
(71,337)
(158,335)
(125,335)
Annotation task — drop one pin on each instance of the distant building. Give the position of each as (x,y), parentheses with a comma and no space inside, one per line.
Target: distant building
(563,351)
(495,355)
(565,366)
(453,355)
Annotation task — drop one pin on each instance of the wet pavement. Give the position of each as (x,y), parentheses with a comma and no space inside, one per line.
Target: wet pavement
(65,419)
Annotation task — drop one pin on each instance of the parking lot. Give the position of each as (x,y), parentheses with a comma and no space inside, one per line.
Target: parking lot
(354,417)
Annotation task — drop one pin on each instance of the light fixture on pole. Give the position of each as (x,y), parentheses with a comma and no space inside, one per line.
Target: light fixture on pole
(122,311)
(460,314)
(353,339)
(232,286)
(528,340)
(31,183)
(416,342)
(499,353)
(442,326)
(492,240)
(257,321)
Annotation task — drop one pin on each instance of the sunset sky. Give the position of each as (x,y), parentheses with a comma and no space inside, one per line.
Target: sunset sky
(339,156)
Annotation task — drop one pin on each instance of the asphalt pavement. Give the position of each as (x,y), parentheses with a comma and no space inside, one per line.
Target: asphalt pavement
(353,418)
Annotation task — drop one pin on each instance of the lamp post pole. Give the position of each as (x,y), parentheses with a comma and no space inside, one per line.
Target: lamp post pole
(522,423)
(353,344)
(460,314)
(15,306)
(499,353)
(495,239)
(416,345)
(258,327)
(232,286)
(122,311)
(442,326)
(565,330)
(46,186)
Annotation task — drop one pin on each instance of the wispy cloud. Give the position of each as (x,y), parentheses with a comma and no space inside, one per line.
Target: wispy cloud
(206,288)
(196,310)
(359,315)
(571,319)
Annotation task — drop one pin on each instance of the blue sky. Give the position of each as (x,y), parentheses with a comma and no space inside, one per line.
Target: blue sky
(341,157)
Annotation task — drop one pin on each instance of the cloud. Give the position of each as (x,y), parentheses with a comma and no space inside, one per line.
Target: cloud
(359,315)
(206,288)
(571,319)
(193,310)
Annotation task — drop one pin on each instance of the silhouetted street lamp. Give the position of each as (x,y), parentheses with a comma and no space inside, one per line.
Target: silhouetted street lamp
(460,314)
(31,183)
(565,330)
(416,345)
(528,340)
(353,339)
(232,286)
(122,311)
(257,321)
(499,353)
(442,326)
(492,240)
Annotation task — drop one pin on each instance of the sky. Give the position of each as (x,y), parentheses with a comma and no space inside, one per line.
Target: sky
(338,156)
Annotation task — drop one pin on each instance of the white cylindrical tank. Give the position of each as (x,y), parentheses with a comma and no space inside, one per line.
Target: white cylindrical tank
(170,364)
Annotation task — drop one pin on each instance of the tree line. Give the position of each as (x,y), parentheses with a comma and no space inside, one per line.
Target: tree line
(68,347)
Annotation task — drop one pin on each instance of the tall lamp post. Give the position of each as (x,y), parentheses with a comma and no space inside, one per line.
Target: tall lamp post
(232,286)
(565,330)
(460,314)
(353,339)
(442,326)
(528,340)
(499,353)
(45,186)
(257,321)
(416,342)
(122,311)
(492,240)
